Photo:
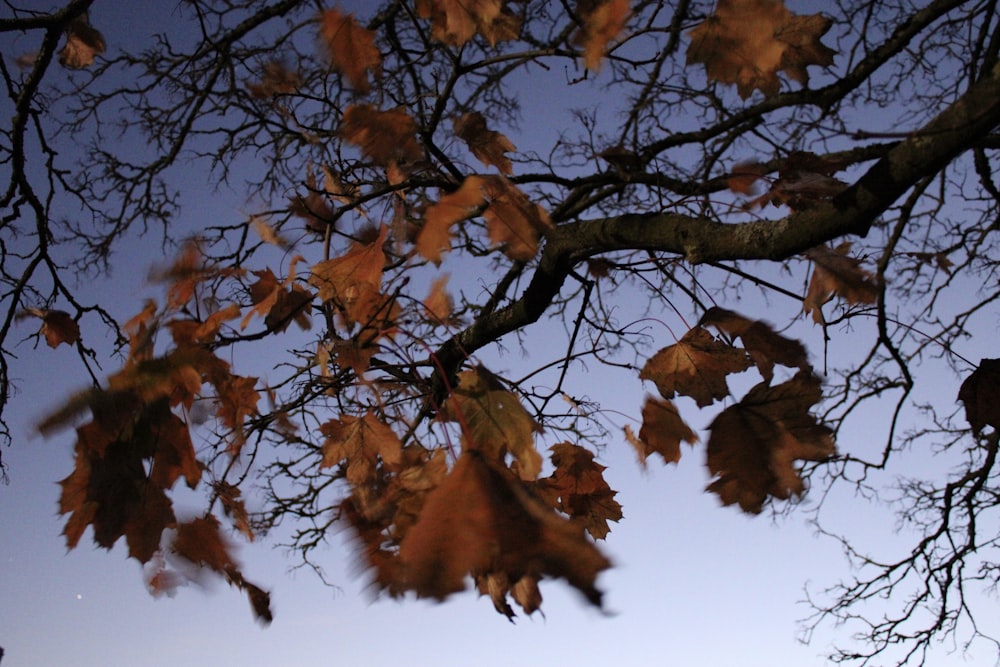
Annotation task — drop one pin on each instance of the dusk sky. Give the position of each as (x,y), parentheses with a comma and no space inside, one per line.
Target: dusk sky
(692,582)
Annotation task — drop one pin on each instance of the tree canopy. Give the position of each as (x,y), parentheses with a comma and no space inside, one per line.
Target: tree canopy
(783,222)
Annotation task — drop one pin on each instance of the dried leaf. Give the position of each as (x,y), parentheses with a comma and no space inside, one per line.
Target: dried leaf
(747,42)
(435,235)
(83,44)
(438,303)
(834,272)
(383,136)
(353,281)
(362,443)
(662,432)
(494,422)
(765,346)
(696,366)
(513,221)
(487,145)
(276,80)
(455,22)
(602,25)
(755,444)
(479,522)
(577,487)
(350,47)
(980,394)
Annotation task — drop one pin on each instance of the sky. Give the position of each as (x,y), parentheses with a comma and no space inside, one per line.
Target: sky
(692,584)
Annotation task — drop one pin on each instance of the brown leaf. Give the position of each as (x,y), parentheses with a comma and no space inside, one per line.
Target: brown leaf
(836,273)
(439,303)
(662,432)
(362,443)
(765,346)
(276,80)
(201,542)
(754,444)
(83,44)
(455,22)
(577,488)
(742,178)
(383,136)
(350,47)
(494,422)
(603,24)
(695,366)
(980,394)
(435,235)
(747,42)
(58,326)
(480,522)
(512,220)
(488,145)
(353,281)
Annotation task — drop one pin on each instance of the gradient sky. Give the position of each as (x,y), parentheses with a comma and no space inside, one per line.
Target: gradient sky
(693,583)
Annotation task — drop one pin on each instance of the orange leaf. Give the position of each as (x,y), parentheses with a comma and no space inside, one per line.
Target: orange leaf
(487,145)
(201,542)
(435,235)
(383,136)
(512,220)
(662,432)
(438,303)
(747,42)
(455,22)
(83,44)
(754,444)
(602,25)
(480,522)
(361,442)
(765,347)
(494,422)
(695,366)
(351,48)
(577,488)
(836,273)
(353,281)
(276,80)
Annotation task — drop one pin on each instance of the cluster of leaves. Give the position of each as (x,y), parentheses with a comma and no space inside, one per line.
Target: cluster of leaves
(391,171)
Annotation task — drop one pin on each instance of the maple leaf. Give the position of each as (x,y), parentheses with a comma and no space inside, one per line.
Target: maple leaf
(512,220)
(236,400)
(602,24)
(350,47)
(353,281)
(765,346)
(279,303)
(747,42)
(439,303)
(488,145)
(662,432)
(980,394)
(455,22)
(58,326)
(834,272)
(494,422)
(313,207)
(481,522)
(743,177)
(276,80)
(577,487)
(384,136)
(755,443)
(695,366)
(174,455)
(361,442)
(201,542)
(233,506)
(435,235)
(83,44)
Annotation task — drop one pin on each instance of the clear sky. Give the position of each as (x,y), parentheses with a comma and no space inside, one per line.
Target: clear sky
(692,583)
